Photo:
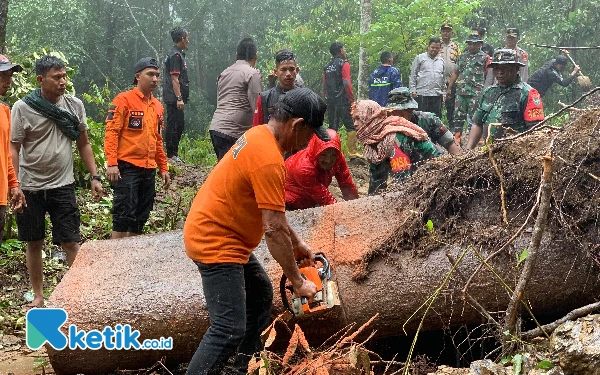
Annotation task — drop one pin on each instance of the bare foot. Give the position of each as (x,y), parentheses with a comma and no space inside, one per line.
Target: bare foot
(36,303)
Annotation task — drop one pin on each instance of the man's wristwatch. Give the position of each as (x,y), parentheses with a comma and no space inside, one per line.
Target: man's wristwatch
(179,98)
(97,178)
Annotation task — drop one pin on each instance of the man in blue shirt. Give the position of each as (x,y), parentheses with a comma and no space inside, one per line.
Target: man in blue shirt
(384,79)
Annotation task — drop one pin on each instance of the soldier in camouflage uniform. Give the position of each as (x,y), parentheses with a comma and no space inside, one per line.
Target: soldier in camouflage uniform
(393,145)
(400,104)
(511,102)
(469,78)
(450,51)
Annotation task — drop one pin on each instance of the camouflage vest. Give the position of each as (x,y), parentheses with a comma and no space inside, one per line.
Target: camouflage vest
(505,105)
(471,68)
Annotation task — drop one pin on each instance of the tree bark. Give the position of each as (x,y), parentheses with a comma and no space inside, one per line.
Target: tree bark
(3,22)
(363,58)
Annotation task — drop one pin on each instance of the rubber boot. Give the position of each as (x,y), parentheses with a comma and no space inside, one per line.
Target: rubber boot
(352,147)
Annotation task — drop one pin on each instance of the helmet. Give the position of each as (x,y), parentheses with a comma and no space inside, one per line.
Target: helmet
(400,99)
(505,56)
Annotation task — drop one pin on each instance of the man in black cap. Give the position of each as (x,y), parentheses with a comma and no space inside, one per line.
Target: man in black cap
(133,147)
(510,41)
(486,47)
(242,199)
(176,90)
(449,51)
(543,78)
(511,105)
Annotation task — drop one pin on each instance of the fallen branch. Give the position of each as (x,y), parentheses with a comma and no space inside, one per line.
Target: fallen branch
(499,174)
(575,166)
(563,105)
(559,47)
(536,239)
(541,124)
(549,328)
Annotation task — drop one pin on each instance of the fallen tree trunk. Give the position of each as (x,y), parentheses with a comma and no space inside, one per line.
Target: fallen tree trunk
(383,257)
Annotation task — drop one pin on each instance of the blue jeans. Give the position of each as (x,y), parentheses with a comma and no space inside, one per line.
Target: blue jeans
(239,299)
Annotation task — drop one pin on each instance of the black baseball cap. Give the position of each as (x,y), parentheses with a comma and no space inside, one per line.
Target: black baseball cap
(512,32)
(474,38)
(304,103)
(562,60)
(5,65)
(143,63)
(446,26)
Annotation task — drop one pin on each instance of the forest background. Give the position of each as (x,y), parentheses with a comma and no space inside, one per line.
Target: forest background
(102,39)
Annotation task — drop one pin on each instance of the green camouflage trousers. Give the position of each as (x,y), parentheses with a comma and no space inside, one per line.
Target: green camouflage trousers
(465,105)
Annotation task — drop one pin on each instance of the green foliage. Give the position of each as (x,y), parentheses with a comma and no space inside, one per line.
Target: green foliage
(430,225)
(198,114)
(544,364)
(25,82)
(521,257)
(197,151)
(83,177)
(517,363)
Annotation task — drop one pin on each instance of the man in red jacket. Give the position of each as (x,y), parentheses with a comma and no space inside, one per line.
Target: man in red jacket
(309,172)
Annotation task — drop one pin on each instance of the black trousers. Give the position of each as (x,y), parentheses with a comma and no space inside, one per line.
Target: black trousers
(338,113)
(450,105)
(174,130)
(221,143)
(431,104)
(238,298)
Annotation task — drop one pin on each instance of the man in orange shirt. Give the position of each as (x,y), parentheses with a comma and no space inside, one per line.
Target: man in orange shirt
(9,184)
(133,147)
(242,199)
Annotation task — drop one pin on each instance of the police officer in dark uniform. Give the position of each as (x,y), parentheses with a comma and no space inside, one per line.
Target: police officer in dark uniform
(176,90)
(337,89)
(543,78)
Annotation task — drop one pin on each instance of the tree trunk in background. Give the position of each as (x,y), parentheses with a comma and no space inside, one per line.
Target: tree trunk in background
(111,34)
(363,58)
(3,22)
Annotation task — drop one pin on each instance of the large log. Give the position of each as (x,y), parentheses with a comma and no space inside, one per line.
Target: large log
(149,283)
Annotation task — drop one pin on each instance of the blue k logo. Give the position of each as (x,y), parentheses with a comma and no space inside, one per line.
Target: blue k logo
(44,325)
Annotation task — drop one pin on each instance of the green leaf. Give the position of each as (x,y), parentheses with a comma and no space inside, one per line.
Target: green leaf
(544,364)
(517,363)
(521,257)
(484,148)
(430,225)
(506,360)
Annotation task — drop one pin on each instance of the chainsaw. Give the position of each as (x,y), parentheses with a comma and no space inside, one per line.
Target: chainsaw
(327,295)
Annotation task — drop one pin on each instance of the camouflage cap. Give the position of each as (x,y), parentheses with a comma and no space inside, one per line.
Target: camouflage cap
(474,38)
(400,99)
(446,26)
(505,56)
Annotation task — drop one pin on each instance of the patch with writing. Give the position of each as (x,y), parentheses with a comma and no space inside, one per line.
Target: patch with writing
(239,145)
(399,161)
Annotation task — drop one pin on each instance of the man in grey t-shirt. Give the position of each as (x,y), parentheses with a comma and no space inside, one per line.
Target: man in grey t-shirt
(237,89)
(44,125)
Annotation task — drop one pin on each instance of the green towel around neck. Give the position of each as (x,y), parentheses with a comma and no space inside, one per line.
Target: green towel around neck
(66,122)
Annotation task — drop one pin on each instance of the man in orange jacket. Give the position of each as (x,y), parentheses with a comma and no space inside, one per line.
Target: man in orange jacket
(133,147)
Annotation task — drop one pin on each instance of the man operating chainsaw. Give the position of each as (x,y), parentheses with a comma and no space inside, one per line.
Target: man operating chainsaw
(242,198)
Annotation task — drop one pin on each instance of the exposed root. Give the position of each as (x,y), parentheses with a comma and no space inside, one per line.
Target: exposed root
(346,356)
